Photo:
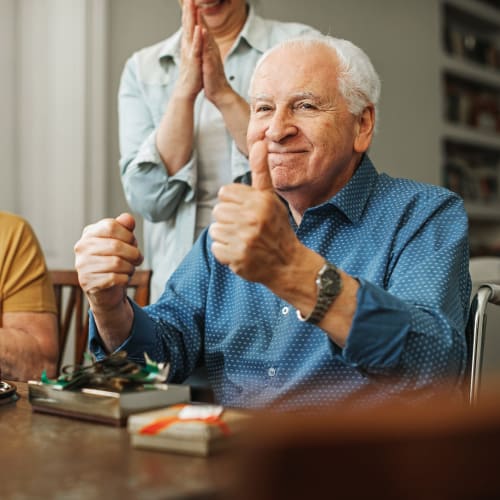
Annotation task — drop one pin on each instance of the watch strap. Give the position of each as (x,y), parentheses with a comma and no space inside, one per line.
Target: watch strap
(327,293)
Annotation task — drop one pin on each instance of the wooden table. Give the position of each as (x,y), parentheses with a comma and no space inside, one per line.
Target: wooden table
(49,457)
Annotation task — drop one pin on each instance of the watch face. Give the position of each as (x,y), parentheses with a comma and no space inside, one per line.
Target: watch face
(330,281)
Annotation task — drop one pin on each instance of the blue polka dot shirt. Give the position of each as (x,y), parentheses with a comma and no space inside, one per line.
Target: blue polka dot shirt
(406,243)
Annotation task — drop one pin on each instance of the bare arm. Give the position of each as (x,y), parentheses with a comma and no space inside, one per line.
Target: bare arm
(201,68)
(280,261)
(174,138)
(106,257)
(234,109)
(295,282)
(236,113)
(253,236)
(28,345)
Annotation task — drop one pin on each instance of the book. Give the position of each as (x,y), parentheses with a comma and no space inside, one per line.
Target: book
(102,405)
(194,429)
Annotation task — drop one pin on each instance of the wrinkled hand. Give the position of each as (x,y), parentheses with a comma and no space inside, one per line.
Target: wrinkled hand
(105,257)
(190,81)
(252,232)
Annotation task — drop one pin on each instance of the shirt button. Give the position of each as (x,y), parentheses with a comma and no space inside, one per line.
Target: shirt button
(285,310)
(271,372)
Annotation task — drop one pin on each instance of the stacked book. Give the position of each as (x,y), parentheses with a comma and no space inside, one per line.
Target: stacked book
(195,429)
(104,406)
(108,390)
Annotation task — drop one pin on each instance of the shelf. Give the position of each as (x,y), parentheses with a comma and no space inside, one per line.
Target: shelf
(471,30)
(477,9)
(471,71)
(483,211)
(471,136)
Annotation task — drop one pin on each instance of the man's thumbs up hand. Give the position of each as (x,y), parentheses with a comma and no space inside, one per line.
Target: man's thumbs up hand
(251,232)
(261,177)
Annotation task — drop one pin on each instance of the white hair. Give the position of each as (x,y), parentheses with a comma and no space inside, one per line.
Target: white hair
(358,82)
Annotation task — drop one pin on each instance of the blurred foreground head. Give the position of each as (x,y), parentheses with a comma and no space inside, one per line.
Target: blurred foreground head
(439,450)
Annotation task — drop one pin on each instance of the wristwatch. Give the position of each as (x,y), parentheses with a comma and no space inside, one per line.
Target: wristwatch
(329,285)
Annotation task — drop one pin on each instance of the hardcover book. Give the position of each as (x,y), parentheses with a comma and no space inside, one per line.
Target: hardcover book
(195,429)
(102,405)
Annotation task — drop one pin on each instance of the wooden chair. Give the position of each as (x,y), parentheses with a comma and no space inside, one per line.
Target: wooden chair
(72,307)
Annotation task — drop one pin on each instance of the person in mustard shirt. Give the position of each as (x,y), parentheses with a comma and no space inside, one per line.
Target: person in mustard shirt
(28,321)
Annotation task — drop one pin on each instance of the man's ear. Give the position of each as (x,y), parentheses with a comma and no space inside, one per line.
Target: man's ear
(364,129)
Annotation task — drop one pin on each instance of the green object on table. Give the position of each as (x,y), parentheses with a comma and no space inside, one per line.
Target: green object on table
(114,373)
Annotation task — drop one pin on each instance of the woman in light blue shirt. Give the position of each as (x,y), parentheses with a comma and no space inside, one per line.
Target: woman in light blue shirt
(183,117)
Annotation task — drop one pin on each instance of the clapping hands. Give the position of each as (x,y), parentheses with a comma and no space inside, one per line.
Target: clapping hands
(201,61)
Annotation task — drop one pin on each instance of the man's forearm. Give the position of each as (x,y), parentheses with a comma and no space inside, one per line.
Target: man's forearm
(114,325)
(297,285)
(174,137)
(236,113)
(22,357)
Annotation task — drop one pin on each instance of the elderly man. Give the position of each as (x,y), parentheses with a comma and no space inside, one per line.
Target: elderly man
(28,324)
(324,281)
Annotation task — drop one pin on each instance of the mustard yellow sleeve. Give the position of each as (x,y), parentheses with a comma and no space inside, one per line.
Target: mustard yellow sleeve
(25,284)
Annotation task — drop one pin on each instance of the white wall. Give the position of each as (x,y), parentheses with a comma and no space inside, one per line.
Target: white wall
(8,178)
(55,89)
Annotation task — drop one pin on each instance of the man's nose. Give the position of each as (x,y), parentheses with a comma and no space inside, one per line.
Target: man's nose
(281,126)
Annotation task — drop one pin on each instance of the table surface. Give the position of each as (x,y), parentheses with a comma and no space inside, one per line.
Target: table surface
(47,456)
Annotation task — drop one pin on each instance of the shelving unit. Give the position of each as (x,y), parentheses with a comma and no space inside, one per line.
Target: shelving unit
(470,75)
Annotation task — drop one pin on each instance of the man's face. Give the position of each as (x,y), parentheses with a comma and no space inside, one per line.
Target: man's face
(311,136)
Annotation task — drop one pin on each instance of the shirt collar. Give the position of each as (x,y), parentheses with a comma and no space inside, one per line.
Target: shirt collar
(254,32)
(171,47)
(353,197)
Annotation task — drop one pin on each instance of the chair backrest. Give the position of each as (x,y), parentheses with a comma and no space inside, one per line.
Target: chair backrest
(476,333)
(72,307)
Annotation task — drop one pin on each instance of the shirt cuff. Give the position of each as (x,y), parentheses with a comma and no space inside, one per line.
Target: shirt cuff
(136,344)
(187,174)
(148,154)
(379,329)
